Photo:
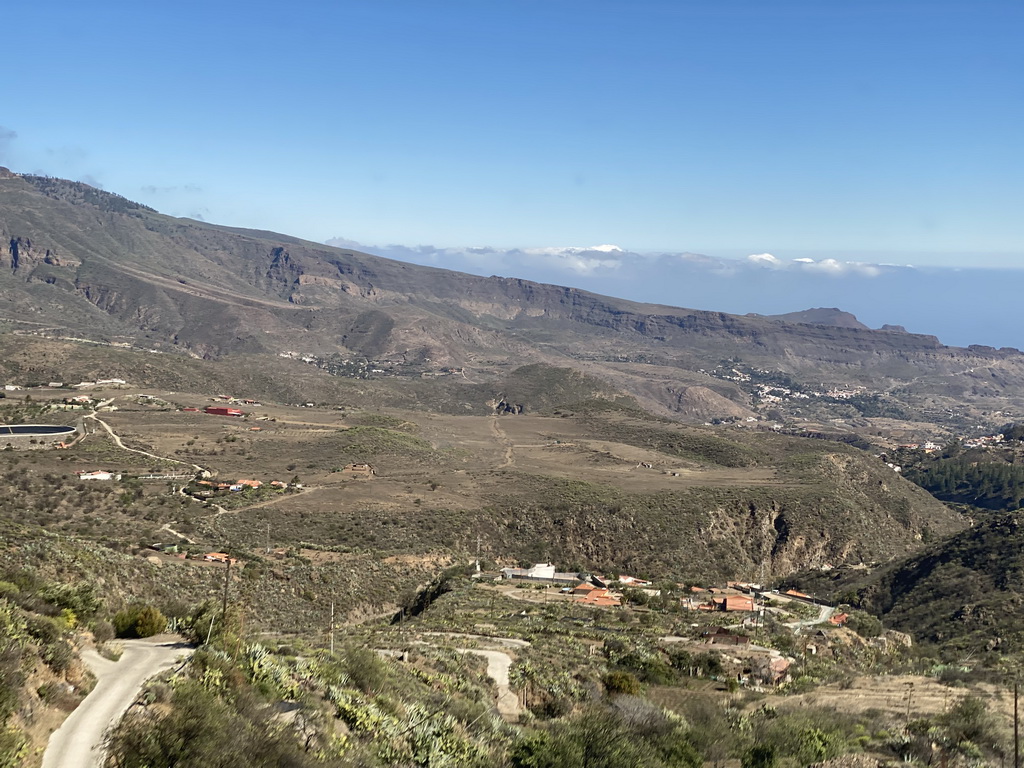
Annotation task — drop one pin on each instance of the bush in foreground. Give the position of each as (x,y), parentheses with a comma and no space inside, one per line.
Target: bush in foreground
(139,621)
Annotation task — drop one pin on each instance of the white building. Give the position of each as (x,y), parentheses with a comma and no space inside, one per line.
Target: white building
(540,572)
(98,475)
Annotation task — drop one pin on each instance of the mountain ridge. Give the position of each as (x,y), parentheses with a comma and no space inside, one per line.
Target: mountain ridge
(123,272)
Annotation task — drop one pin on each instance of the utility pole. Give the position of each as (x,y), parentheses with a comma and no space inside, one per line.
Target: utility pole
(227,583)
(268,537)
(910,698)
(1017,737)
(332,627)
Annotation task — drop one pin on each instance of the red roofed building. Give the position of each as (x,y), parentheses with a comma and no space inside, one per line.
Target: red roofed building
(599,597)
(734,603)
(723,636)
(220,410)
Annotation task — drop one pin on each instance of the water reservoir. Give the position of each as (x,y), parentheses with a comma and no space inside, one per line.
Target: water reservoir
(34,430)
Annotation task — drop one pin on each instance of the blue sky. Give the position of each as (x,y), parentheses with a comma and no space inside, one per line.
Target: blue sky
(857,131)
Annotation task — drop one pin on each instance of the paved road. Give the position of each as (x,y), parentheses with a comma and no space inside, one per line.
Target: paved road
(824,614)
(498,665)
(77,743)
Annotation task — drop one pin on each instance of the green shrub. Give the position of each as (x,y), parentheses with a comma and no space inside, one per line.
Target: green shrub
(864,624)
(43,629)
(102,630)
(81,599)
(58,656)
(13,747)
(366,669)
(760,756)
(617,682)
(139,621)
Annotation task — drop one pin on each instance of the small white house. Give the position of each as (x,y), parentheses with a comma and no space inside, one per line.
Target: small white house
(540,572)
(98,475)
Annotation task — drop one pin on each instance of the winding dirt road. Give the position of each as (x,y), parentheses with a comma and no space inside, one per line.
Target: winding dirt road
(117,440)
(78,742)
(499,433)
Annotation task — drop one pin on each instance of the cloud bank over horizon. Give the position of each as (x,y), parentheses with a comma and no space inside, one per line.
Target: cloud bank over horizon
(590,261)
(961,306)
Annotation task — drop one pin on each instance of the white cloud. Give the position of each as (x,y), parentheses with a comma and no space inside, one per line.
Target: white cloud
(764,260)
(558,250)
(563,263)
(580,260)
(836,267)
(832,267)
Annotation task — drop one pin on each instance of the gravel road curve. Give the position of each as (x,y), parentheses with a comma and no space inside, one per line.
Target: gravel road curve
(78,742)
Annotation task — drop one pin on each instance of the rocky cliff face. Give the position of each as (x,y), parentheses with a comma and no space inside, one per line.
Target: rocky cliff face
(841,508)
